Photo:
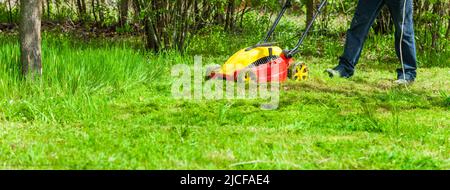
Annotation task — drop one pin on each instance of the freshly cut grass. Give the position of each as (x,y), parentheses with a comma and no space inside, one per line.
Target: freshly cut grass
(104,105)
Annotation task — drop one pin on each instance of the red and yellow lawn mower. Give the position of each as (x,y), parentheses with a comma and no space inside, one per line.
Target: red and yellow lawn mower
(265,62)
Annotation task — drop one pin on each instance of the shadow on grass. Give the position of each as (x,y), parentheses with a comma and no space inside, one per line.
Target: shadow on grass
(381,93)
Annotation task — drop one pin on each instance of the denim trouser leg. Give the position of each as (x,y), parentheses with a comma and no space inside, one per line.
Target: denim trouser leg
(365,15)
(408,43)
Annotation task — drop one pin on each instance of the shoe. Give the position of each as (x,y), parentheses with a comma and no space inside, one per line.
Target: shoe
(404,82)
(335,73)
(341,71)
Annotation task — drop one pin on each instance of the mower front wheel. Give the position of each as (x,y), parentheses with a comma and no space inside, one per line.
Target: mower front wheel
(247,76)
(211,70)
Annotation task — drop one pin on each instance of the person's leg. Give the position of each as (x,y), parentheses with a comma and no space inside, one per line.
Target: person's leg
(365,15)
(408,45)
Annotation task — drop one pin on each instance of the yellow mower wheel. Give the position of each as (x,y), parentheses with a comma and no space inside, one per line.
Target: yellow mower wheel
(299,72)
(247,76)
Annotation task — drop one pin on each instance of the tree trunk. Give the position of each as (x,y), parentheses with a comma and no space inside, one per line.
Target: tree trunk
(123,12)
(309,11)
(49,9)
(383,23)
(206,14)
(93,11)
(43,7)
(219,18)
(184,25)
(447,35)
(80,10)
(30,37)
(325,18)
(10,18)
(244,11)
(101,14)
(83,4)
(229,20)
(437,25)
(58,5)
(197,13)
(137,10)
(152,39)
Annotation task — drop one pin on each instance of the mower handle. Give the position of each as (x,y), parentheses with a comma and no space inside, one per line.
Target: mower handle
(291,53)
(261,45)
(287,4)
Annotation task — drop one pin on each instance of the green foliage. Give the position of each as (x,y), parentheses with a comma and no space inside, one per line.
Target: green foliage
(124,29)
(106,104)
(211,38)
(6,14)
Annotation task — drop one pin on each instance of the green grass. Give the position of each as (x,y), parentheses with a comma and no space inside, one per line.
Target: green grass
(107,105)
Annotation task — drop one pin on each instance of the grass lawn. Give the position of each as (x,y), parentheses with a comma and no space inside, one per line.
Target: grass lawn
(110,107)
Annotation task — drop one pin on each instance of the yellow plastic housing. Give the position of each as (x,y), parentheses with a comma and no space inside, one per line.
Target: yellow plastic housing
(243,58)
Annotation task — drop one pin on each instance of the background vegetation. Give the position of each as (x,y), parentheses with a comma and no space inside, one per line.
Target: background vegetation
(104,102)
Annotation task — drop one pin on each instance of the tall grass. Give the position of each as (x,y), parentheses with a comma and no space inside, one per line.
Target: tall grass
(77,81)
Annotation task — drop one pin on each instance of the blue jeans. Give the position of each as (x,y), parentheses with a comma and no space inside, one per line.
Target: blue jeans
(366,13)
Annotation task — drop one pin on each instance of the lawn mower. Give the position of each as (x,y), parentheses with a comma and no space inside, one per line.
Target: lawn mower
(265,62)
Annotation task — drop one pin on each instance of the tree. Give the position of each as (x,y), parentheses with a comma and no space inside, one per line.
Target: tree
(310,8)
(81,5)
(123,12)
(58,7)
(49,9)
(447,35)
(167,23)
(230,15)
(93,7)
(30,37)
(137,10)
(10,16)
(100,8)
(383,24)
